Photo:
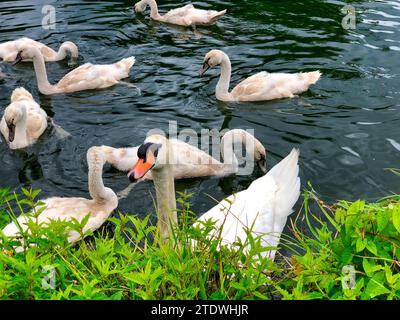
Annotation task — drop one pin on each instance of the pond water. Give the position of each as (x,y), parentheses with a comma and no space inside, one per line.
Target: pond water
(347,126)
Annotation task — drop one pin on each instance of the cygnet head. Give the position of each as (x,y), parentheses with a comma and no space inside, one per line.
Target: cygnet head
(140,6)
(212,59)
(13,114)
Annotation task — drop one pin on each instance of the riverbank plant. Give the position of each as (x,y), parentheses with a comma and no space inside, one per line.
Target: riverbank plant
(344,251)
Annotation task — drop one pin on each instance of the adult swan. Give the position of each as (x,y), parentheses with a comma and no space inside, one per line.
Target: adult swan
(263,207)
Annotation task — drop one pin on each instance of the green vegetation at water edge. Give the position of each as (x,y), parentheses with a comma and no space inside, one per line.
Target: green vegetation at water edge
(355,255)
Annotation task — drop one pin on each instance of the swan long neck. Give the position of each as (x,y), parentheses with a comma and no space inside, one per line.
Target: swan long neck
(238,136)
(41,74)
(222,88)
(97,190)
(153,9)
(67,47)
(20,128)
(165,192)
(231,163)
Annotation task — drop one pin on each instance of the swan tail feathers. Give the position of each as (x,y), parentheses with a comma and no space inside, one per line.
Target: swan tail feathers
(313,77)
(127,62)
(286,177)
(214,16)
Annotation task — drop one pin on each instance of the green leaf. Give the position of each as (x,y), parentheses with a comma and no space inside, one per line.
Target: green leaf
(356,207)
(147,270)
(137,278)
(382,219)
(360,244)
(370,267)
(375,286)
(389,275)
(117,295)
(371,246)
(260,295)
(347,255)
(396,218)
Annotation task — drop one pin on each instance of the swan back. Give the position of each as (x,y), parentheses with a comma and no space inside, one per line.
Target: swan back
(184,16)
(189,15)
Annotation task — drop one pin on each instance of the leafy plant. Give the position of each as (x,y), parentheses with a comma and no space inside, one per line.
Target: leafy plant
(355,256)
(346,251)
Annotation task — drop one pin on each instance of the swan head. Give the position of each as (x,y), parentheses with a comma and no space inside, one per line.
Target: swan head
(8,57)
(140,6)
(152,155)
(70,47)
(13,114)
(26,53)
(260,158)
(212,59)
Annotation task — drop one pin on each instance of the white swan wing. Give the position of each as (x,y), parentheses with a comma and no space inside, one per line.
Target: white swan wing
(64,209)
(179,12)
(90,76)
(189,15)
(268,86)
(242,211)
(190,162)
(253,87)
(36,120)
(262,208)
(87,76)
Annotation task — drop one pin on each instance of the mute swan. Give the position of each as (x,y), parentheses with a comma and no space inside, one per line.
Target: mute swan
(85,77)
(23,121)
(10,49)
(262,208)
(103,202)
(185,16)
(259,87)
(191,162)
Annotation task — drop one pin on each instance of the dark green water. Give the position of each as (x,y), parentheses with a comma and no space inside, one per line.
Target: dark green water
(342,125)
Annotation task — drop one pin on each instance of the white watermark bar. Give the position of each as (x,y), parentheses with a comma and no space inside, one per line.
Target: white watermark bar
(199,310)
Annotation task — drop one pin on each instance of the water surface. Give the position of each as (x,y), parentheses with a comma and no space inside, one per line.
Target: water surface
(347,126)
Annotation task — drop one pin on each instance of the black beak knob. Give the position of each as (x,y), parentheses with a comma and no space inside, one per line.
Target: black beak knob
(132,178)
